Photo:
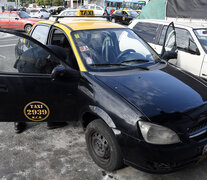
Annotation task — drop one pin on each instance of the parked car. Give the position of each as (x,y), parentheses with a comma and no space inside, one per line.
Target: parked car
(55,10)
(124,16)
(68,12)
(191,40)
(136,108)
(16,20)
(39,13)
(98,10)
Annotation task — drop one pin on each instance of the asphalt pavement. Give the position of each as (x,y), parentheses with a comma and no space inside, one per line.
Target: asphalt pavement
(61,154)
(7,51)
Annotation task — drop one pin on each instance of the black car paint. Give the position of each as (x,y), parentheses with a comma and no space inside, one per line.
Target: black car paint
(121,103)
(123,19)
(121,99)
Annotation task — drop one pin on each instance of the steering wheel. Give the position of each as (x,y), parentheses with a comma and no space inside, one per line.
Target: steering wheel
(125,52)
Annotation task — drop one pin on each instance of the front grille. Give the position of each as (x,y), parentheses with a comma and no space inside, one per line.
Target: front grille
(198,127)
(199,130)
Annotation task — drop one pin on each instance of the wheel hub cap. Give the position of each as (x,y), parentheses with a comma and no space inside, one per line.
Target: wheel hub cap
(100,145)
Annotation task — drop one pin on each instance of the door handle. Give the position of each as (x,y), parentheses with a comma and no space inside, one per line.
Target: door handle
(3,88)
(204,74)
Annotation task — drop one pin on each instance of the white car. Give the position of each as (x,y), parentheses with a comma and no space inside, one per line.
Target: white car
(69,12)
(191,40)
(39,13)
(98,10)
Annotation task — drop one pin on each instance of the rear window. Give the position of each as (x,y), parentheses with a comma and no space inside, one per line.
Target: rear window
(148,31)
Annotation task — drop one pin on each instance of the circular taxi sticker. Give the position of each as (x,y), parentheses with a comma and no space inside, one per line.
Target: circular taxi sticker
(36,111)
(123,18)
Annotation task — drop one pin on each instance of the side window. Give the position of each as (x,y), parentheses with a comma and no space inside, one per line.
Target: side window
(40,33)
(13,16)
(4,16)
(59,39)
(182,38)
(25,56)
(148,31)
(124,13)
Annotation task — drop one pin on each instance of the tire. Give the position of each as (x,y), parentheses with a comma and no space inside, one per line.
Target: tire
(27,28)
(98,135)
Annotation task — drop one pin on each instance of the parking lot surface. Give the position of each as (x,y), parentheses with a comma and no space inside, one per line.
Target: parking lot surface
(61,154)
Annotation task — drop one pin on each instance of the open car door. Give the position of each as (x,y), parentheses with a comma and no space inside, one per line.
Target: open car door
(169,49)
(36,84)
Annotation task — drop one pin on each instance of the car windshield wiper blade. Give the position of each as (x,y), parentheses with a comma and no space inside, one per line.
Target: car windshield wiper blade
(107,64)
(135,61)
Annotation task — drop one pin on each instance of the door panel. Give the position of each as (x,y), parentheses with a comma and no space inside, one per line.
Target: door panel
(185,60)
(25,77)
(4,20)
(203,73)
(15,21)
(16,91)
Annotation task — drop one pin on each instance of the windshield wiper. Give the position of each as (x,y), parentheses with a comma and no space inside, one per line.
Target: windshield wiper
(135,61)
(107,64)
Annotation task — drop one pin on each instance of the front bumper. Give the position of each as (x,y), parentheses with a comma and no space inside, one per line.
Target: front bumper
(160,158)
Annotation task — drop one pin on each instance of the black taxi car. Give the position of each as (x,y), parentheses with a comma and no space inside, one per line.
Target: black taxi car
(135,107)
(124,16)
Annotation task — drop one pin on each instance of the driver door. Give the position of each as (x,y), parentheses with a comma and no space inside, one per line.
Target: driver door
(27,90)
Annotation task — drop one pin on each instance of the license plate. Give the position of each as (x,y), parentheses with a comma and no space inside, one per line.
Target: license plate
(204,154)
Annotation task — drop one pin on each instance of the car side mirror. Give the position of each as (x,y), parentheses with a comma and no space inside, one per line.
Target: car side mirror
(192,48)
(169,55)
(62,72)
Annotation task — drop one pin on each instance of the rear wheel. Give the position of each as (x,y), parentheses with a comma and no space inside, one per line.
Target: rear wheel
(27,28)
(102,146)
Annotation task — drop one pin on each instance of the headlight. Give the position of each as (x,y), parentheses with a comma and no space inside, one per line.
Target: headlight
(156,134)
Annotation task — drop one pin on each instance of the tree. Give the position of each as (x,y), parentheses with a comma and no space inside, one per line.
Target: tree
(47,2)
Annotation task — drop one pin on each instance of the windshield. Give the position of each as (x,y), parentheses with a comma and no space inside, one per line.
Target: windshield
(202,37)
(109,49)
(23,15)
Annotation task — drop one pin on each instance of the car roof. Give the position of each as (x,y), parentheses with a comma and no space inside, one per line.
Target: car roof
(83,23)
(178,23)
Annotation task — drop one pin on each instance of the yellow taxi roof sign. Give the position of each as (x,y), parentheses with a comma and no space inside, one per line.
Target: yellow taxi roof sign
(85,12)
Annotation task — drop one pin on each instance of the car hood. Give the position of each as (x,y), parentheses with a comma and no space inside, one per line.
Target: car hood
(166,91)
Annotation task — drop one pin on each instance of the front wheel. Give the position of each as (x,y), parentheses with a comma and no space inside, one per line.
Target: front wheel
(102,146)
(27,28)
